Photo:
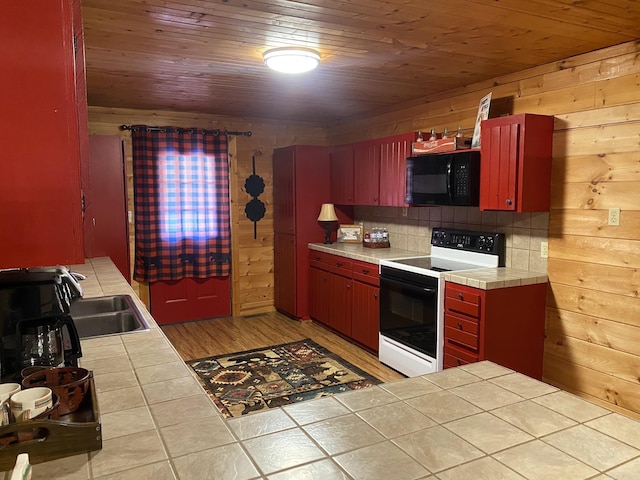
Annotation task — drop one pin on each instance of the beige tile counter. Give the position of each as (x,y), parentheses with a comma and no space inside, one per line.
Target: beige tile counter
(484,278)
(473,422)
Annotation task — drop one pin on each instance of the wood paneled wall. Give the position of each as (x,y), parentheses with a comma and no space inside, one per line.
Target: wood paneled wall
(252,259)
(593,305)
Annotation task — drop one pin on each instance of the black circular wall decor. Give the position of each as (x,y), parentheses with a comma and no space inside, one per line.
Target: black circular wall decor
(254,209)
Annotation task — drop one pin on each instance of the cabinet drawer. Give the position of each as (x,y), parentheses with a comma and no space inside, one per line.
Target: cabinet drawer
(365,272)
(459,298)
(454,357)
(461,331)
(331,263)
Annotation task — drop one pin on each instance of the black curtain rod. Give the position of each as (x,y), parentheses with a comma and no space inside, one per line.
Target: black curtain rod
(214,132)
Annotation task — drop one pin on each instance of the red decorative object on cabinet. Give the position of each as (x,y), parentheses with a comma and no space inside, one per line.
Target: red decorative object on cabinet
(42,91)
(515,170)
(504,325)
(301,184)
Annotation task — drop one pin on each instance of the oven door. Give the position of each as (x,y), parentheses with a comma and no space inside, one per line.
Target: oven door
(409,310)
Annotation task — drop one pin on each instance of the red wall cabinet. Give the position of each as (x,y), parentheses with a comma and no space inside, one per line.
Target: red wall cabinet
(42,93)
(367,173)
(515,171)
(504,325)
(342,170)
(393,166)
(372,172)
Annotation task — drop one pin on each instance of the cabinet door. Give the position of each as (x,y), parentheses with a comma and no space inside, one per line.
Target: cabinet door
(284,190)
(515,171)
(285,273)
(339,300)
(342,175)
(365,318)
(40,195)
(393,164)
(499,166)
(366,161)
(318,295)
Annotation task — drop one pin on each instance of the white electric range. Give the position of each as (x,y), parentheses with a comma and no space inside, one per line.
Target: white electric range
(412,297)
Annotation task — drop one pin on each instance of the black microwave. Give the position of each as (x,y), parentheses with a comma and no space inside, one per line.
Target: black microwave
(444,179)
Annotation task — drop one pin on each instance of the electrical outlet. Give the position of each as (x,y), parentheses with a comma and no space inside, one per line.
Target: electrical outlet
(614,216)
(544,249)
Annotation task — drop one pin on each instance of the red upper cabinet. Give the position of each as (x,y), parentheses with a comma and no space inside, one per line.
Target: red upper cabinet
(366,163)
(393,165)
(342,170)
(515,170)
(40,193)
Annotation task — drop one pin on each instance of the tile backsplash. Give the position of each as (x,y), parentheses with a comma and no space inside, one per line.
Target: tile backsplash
(410,229)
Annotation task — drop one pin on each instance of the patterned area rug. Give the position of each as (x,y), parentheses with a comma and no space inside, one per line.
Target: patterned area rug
(256,380)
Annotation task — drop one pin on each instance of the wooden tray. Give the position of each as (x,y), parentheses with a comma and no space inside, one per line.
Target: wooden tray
(376,244)
(44,440)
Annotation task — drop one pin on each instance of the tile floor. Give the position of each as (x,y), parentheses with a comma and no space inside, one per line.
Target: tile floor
(480,421)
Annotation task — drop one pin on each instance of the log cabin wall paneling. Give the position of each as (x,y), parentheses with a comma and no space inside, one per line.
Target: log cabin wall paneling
(593,306)
(252,259)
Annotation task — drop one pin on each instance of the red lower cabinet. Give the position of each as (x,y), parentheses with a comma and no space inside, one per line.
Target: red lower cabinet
(344,296)
(504,325)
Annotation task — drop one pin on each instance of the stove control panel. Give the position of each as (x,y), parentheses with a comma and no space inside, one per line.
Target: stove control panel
(471,241)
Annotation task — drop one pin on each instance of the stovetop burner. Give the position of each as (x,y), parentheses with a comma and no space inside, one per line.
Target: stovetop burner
(435,264)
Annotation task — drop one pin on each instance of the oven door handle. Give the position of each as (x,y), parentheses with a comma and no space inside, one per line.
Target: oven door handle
(409,286)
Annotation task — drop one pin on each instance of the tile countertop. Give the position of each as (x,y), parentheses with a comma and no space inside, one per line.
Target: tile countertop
(472,422)
(484,278)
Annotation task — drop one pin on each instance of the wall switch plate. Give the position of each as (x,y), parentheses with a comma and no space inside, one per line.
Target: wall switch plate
(614,216)
(405,211)
(544,249)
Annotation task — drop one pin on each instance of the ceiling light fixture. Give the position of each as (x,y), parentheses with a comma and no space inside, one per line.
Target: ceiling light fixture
(291,59)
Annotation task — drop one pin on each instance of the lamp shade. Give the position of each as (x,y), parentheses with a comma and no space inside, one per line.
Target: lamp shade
(327,213)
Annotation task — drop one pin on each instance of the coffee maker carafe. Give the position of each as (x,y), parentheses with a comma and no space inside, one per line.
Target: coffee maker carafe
(42,341)
(35,325)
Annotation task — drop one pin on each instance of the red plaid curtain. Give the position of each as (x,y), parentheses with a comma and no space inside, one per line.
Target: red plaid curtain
(181,192)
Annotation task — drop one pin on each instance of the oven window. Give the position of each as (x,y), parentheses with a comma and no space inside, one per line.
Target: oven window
(408,313)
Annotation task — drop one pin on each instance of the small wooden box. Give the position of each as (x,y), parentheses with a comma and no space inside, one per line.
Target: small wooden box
(376,244)
(45,440)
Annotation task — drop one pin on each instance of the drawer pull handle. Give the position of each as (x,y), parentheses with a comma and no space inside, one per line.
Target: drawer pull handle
(460,297)
(459,325)
(366,272)
(339,264)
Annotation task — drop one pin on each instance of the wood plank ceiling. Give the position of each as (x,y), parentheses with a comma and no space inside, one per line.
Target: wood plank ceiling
(205,56)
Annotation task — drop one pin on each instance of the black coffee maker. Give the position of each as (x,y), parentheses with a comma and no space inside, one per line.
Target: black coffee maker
(35,326)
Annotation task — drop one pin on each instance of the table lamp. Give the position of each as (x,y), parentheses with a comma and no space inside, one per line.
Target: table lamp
(327,217)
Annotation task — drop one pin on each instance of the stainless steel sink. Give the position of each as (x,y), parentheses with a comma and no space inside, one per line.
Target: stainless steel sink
(109,315)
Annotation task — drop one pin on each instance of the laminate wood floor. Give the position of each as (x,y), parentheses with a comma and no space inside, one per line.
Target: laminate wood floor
(218,336)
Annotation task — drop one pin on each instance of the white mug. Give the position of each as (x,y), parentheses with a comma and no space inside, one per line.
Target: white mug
(30,403)
(6,391)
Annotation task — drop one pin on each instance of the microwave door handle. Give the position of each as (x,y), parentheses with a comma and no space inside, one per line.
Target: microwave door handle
(449,169)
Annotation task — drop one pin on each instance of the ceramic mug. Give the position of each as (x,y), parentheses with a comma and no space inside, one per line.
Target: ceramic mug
(30,403)
(6,391)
